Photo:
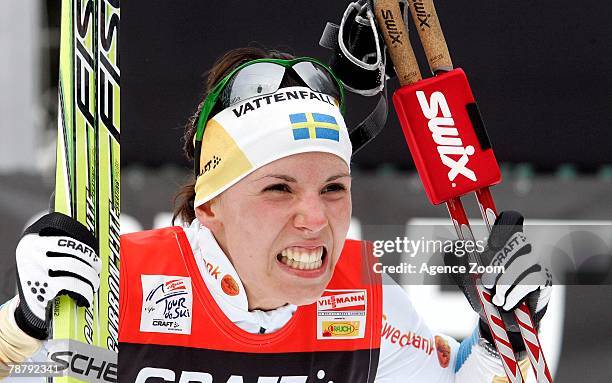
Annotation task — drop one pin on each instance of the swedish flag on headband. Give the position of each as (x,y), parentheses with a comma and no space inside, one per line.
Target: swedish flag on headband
(314,125)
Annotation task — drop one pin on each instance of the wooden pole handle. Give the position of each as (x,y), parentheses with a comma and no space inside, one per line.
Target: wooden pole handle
(391,25)
(430,32)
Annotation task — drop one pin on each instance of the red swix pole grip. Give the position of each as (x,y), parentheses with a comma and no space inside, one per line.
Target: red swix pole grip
(451,158)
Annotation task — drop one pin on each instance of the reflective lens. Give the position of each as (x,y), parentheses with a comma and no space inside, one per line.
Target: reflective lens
(317,78)
(263,78)
(258,79)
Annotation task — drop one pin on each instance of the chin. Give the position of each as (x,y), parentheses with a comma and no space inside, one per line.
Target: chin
(303,298)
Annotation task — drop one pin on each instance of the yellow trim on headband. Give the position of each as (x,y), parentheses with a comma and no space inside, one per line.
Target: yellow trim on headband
(221,160)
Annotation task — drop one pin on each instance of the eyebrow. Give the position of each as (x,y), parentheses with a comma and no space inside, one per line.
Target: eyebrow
(337,176)
(287,178)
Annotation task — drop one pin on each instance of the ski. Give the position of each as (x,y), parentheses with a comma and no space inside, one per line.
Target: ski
(87,182)
(109,170)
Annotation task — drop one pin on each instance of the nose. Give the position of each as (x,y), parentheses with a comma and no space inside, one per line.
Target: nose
(311,214)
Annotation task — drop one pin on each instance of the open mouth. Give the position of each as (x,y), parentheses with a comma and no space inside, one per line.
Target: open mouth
(300,258)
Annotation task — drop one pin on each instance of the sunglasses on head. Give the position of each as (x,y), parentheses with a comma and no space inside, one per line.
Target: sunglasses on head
(262,77)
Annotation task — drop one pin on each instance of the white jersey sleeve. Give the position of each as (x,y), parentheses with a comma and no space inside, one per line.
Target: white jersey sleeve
(411,352)
(15,345)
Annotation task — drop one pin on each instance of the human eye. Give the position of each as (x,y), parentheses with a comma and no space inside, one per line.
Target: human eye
(279,188)
(334,187)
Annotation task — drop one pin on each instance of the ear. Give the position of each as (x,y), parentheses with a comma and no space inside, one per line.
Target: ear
(207,215)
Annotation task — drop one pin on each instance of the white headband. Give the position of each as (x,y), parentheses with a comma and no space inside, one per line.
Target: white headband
(257,131)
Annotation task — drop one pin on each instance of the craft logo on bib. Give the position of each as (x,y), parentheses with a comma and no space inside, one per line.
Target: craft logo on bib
(341,314)
(166,304)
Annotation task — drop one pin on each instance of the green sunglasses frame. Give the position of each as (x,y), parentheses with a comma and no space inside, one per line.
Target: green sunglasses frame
(212,97)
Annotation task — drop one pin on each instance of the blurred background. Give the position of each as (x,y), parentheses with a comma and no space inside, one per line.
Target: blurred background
(537,70)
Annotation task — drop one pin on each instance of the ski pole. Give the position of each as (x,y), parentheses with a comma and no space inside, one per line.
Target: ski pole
(430,32)
(522,314)
(451,152)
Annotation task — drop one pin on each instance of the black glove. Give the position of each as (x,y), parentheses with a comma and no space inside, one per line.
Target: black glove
(524,278)
(56,255)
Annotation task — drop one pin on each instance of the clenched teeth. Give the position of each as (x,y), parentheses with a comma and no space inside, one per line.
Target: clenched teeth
(301,258)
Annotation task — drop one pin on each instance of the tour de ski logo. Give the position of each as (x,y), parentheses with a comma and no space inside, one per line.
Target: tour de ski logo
(341,314)
(166,304)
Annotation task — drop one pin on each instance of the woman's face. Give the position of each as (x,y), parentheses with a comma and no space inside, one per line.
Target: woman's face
(283,227)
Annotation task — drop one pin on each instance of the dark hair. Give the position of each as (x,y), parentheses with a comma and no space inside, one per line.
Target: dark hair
(184,198)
